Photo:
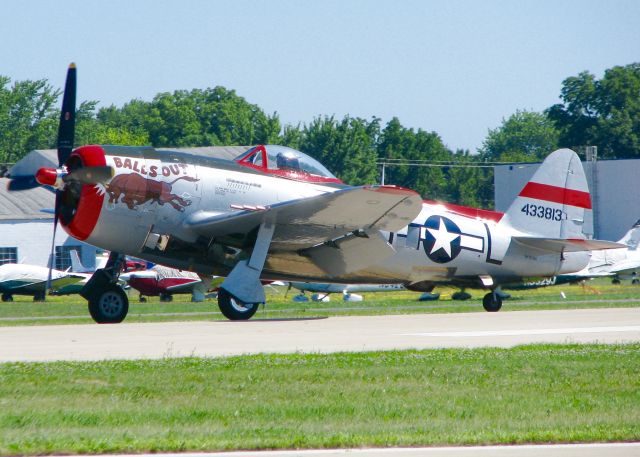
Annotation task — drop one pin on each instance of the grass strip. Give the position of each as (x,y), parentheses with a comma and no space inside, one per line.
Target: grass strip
(527,394)
(73,309)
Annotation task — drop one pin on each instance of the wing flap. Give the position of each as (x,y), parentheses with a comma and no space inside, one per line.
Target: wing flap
(349,254)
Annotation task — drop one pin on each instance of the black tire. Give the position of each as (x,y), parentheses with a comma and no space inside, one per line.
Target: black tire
(492,302)
(166,297)
(39,297)
(109,306)
(7,297)
(635,281)
(615,281)
(234,309)
(143,299)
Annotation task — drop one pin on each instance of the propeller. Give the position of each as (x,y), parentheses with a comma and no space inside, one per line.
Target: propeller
(61,178)
(66,137)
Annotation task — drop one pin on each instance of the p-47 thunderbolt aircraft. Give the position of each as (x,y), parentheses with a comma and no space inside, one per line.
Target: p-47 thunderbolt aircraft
(275,213)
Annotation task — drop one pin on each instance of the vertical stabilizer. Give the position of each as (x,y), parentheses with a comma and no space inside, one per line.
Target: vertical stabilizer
(76,264)
(632,237)
(553,203)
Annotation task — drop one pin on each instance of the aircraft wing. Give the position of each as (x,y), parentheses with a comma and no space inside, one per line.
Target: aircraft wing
(184,287)
(565,245)
(55,283)
(307,222)
(65,281)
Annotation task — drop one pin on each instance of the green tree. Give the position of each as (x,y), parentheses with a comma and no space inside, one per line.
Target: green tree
(347,148)
(28,117)
(89,130)
(525,136)
(398,142)
(196,118)
(467,183)
(604,113)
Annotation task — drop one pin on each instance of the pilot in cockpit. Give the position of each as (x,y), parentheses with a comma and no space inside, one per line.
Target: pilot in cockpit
(284,160)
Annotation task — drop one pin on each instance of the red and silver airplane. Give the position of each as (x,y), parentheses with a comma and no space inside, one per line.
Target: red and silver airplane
(275,213)
(164,282)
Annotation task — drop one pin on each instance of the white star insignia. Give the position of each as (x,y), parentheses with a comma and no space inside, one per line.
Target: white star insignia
(443,238)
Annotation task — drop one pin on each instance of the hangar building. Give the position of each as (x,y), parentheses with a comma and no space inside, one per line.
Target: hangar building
(26,217)
(614,186)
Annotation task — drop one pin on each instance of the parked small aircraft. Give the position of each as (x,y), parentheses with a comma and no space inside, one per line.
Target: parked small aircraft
(164,282)
(622,264)
(348,291)
(23,279)
(275,213)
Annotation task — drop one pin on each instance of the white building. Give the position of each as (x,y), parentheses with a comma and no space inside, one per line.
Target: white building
(26,230)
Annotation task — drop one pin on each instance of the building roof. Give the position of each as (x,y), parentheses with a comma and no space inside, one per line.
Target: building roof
(26,204)
(29,204)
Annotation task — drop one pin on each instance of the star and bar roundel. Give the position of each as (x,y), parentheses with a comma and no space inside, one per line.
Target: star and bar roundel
(443,240)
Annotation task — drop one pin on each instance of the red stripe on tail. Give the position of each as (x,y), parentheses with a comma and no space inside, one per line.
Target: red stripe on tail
(557,194)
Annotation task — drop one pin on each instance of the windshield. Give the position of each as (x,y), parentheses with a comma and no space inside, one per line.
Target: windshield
(285,158)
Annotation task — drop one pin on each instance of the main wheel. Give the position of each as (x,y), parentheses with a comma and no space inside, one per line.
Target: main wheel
(39,296)
(166,297)
(492,302)
(7,297)
(109,306)
(234,309)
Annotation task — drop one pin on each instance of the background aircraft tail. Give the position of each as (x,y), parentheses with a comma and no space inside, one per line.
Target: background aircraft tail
(553,203)
(632,237)
(76,264)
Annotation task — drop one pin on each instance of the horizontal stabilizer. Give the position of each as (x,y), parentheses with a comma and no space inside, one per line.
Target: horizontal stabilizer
(564,245)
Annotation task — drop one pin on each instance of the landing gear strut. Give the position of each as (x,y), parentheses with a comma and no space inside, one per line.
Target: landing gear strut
(234,309)
(108,304)
(492,302)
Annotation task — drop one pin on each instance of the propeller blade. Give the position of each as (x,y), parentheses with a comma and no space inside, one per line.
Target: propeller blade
(90,175)
(66,128)
(22,183)
(53,242)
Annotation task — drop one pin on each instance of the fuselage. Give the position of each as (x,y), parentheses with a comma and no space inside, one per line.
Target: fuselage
(145,204)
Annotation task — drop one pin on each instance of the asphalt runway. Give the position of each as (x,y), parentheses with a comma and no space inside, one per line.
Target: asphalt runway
(334,334)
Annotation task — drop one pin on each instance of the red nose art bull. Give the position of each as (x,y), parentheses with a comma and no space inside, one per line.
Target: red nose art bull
(142,195)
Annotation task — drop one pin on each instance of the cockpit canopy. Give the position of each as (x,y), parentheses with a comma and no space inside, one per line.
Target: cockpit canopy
(285,162)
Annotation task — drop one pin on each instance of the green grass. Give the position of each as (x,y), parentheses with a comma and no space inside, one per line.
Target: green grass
(529,394)
(73,309)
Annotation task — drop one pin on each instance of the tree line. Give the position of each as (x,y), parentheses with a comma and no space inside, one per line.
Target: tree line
(604,113)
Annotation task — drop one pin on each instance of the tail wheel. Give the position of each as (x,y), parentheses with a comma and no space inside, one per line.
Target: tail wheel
(492,302)
(234,309)
(109,306)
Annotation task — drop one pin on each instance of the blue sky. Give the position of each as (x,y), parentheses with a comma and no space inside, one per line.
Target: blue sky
(454,67)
